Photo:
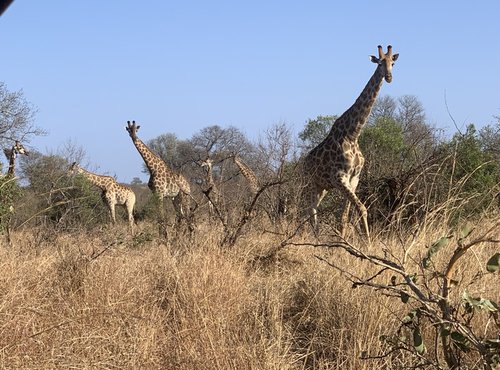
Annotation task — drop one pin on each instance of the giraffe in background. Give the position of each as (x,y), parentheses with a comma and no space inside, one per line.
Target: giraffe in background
(247,172)
(337,161)
(11,155)
(113,193)
(211,190)
(6,198)
(163,181)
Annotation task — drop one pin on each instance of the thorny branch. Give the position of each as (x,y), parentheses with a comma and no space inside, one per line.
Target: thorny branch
(435,306)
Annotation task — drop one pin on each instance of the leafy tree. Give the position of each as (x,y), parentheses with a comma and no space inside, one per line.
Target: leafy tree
(471,161)
(136,181)
(490,139)
(383,145)
(408,111)
(315,131)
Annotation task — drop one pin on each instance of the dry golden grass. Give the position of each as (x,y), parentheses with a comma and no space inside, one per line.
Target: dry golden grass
(106,300)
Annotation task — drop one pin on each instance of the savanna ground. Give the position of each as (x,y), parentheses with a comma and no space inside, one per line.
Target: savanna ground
(104,299)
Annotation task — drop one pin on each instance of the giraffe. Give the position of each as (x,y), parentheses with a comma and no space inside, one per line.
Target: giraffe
(211,187)
(163,181)
(337,161)
(113,193)
(11,155)
(253,182)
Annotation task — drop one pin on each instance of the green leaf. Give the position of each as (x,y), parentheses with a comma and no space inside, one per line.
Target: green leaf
(433,249)
(489,305)
(418,342)
(493,263)
(410,316)
(479,303)
(404,297)
(460,341)
(445,332)
(457,337)
(492,343)
(465,232)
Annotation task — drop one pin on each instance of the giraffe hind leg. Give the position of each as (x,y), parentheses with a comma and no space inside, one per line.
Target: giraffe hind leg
(130,213)
(311,200)
(111,207)
(178,206)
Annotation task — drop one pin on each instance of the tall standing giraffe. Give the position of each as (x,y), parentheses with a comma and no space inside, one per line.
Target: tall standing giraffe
(11,155)
(337,161)
(247,172)
(113,193)
(163,181)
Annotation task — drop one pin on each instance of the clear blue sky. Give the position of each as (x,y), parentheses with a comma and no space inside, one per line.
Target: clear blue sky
(180,66)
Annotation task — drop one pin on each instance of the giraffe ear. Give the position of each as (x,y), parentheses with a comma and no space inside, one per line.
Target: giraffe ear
(395,57)
(374,59)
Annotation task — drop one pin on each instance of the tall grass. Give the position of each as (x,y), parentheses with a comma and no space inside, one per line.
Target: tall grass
(104,299)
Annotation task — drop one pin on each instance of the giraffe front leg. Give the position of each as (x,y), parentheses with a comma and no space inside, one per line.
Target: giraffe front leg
(317,201)
(347,204)
(346,189)
(182,209)
(312,197)
(178,206)
(111,207)
(307,212)
(162,219)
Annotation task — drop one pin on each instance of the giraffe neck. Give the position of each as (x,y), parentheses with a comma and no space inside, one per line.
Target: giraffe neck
(12,163)
(349,124)
(150,159)
(96,180)
(210,176)
(248,173)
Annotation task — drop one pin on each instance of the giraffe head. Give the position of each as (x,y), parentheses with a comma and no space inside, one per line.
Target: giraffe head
(74,168)
(132,129)
(208,163)
(385,61)
(18,148)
